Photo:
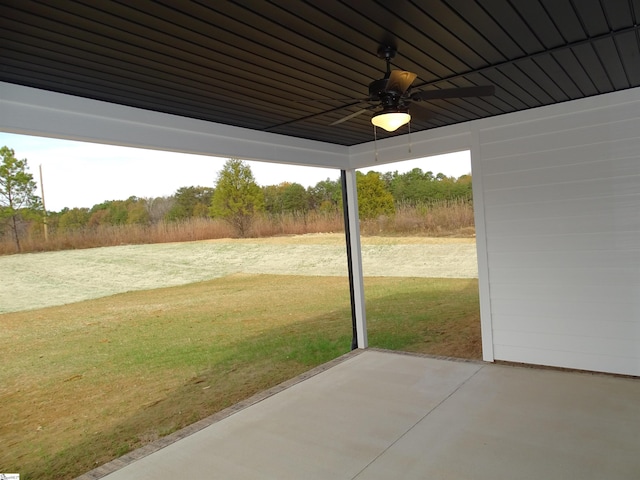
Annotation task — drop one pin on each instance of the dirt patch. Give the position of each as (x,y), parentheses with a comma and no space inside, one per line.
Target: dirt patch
(39,280)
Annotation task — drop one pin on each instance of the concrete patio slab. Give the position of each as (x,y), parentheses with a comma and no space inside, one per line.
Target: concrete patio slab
(387,415)
(524,423)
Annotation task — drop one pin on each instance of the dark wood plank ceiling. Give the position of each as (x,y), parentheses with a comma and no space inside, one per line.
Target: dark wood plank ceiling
(255,63)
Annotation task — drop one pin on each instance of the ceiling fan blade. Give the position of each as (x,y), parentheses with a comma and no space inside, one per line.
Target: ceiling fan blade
(420,112)
(399,81)
(320,100)
(481,91)
(349,117)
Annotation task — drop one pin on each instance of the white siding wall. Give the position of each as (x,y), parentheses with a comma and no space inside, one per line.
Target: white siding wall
(560,199)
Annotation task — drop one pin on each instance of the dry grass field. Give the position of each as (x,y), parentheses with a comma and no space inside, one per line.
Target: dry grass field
(87,381)
(38,280)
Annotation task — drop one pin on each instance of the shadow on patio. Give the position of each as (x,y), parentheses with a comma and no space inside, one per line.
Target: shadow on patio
(378,414)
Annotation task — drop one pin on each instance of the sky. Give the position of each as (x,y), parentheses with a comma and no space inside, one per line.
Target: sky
(80,174)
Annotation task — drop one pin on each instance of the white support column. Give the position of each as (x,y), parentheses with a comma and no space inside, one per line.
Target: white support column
(356,258)
(486,318)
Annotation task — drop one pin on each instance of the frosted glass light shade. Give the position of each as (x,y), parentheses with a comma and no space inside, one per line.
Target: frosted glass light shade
(390,121)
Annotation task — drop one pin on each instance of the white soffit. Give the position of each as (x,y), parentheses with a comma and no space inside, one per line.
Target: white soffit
(37,112)
(32,111)
(453,138)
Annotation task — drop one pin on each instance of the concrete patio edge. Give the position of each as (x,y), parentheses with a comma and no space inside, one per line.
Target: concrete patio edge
(121,462)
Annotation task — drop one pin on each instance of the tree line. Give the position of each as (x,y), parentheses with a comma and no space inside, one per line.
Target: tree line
(235,197)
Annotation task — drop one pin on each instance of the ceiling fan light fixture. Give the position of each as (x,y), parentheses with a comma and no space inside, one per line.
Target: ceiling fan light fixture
(391,120)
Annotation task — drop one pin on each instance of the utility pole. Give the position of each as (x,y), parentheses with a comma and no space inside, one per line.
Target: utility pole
(46,229)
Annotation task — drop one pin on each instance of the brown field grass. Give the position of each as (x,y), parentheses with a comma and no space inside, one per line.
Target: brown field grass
(438,220)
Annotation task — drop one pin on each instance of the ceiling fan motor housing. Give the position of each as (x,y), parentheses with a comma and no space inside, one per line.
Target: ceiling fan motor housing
(377,89)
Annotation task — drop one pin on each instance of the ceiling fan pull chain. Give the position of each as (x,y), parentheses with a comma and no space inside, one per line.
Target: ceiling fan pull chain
(409,136)
(375,141)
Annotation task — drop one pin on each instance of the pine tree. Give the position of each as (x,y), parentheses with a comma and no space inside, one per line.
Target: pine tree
(18,201)
(237,196)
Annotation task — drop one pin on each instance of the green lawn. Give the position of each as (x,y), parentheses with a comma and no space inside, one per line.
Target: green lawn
(84,383)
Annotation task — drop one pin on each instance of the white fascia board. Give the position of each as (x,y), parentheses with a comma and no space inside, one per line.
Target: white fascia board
(427,143)
(624,99)
(31,111)
(455,138)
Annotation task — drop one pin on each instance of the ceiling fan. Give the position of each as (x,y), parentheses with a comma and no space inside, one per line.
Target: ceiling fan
(392,96)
